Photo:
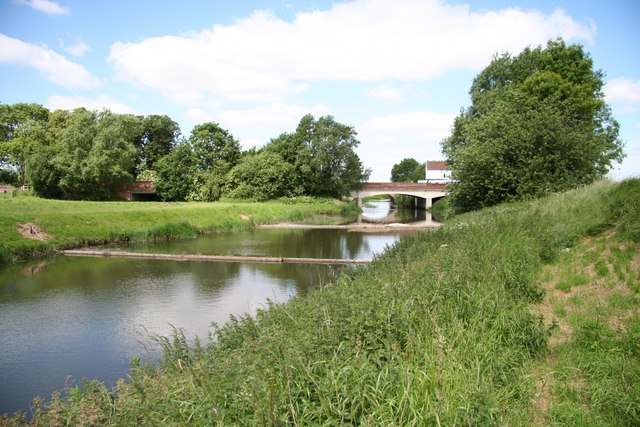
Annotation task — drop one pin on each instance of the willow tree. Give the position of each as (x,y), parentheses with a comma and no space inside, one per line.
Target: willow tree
(538,123)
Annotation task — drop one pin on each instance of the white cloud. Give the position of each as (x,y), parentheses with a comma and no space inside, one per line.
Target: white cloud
(385,141)
(77,47)
(99,103)
(263,58)
(46,6)
(629,168)
(623,93)
(384,93)
(54,66)
(256,126)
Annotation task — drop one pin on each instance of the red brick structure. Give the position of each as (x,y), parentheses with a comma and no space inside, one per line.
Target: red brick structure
(139,191)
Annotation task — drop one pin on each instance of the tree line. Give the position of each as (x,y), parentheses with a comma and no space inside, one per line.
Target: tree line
(91,155)
(538,123)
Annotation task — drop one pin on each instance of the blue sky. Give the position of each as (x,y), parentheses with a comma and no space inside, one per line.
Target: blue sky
(397,71)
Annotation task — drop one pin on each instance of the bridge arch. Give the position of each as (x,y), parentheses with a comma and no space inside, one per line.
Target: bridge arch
(425,193)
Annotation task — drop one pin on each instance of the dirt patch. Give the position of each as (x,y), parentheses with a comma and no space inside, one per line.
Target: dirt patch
(245,217)
(32,231)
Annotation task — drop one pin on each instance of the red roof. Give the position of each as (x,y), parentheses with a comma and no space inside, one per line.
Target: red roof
(436,165)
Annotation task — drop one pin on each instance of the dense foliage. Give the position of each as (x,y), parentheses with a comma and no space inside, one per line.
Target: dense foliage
(89,155)
(322,154)
(408,170)
(538,123)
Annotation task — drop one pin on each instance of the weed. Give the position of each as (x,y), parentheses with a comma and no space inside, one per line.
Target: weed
(602,269)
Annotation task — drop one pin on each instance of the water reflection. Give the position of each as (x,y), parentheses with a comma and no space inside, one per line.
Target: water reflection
(384,212)
(86,317)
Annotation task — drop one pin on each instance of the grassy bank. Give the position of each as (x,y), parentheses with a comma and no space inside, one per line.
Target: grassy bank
(67,224)
(447,328)
(591,375)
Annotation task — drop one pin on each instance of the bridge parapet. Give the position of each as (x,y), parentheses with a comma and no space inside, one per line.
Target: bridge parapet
(404,186)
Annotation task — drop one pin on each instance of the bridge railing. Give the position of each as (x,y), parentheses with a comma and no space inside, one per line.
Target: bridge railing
(416,186)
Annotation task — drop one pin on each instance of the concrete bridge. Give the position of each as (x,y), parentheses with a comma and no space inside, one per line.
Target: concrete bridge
(425,193)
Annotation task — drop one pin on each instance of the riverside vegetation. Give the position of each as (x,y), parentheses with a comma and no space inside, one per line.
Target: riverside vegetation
(71,224)
(521,314)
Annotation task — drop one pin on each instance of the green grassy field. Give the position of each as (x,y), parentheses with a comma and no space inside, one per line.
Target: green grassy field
(523,314)
(71,224)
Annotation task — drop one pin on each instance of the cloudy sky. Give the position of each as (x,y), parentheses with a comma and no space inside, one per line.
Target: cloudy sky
(397,71)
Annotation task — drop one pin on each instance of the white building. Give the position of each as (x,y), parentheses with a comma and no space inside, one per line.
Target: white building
(437,172)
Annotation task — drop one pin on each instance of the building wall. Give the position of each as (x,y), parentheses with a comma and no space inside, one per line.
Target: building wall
(436,171)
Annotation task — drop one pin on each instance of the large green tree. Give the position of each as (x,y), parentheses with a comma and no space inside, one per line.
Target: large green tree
(177,174)
(211,143)
(20,126)
(538,123)
(95,155)
(158,137)
(92,156)
(408,170)
(323,155)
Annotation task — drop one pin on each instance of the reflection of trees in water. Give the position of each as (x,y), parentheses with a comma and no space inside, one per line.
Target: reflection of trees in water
(130,276)
(313,243)
(117,275)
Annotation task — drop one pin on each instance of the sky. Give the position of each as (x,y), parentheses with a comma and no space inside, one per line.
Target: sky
(397,71)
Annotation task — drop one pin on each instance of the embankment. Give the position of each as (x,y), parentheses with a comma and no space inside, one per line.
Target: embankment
(439,330)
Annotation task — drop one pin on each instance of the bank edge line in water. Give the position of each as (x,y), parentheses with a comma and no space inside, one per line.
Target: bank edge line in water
(212,258)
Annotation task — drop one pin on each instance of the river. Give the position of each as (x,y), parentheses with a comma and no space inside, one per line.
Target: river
(62,319)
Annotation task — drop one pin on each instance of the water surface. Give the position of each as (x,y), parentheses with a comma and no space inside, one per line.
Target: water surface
(63,319)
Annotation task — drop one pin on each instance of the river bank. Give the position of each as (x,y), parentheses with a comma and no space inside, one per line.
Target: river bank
(450,327)
(31,227)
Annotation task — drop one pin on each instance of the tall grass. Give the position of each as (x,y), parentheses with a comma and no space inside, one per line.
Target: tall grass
(437,331)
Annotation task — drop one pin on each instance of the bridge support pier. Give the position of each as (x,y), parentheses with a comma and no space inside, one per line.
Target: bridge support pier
(423,203)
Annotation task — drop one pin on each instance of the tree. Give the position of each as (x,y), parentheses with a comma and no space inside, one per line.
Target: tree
(211,143)
(176,173)
(42,172)
(261,177)
(538,123)
(210,185)
(113,154)
(322,154)
(295,152)
(20,125)
(159,135)
(95,155)
(408,170)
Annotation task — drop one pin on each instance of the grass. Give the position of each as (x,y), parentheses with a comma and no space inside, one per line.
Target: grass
(72,224)
(448,327)
(592,370)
